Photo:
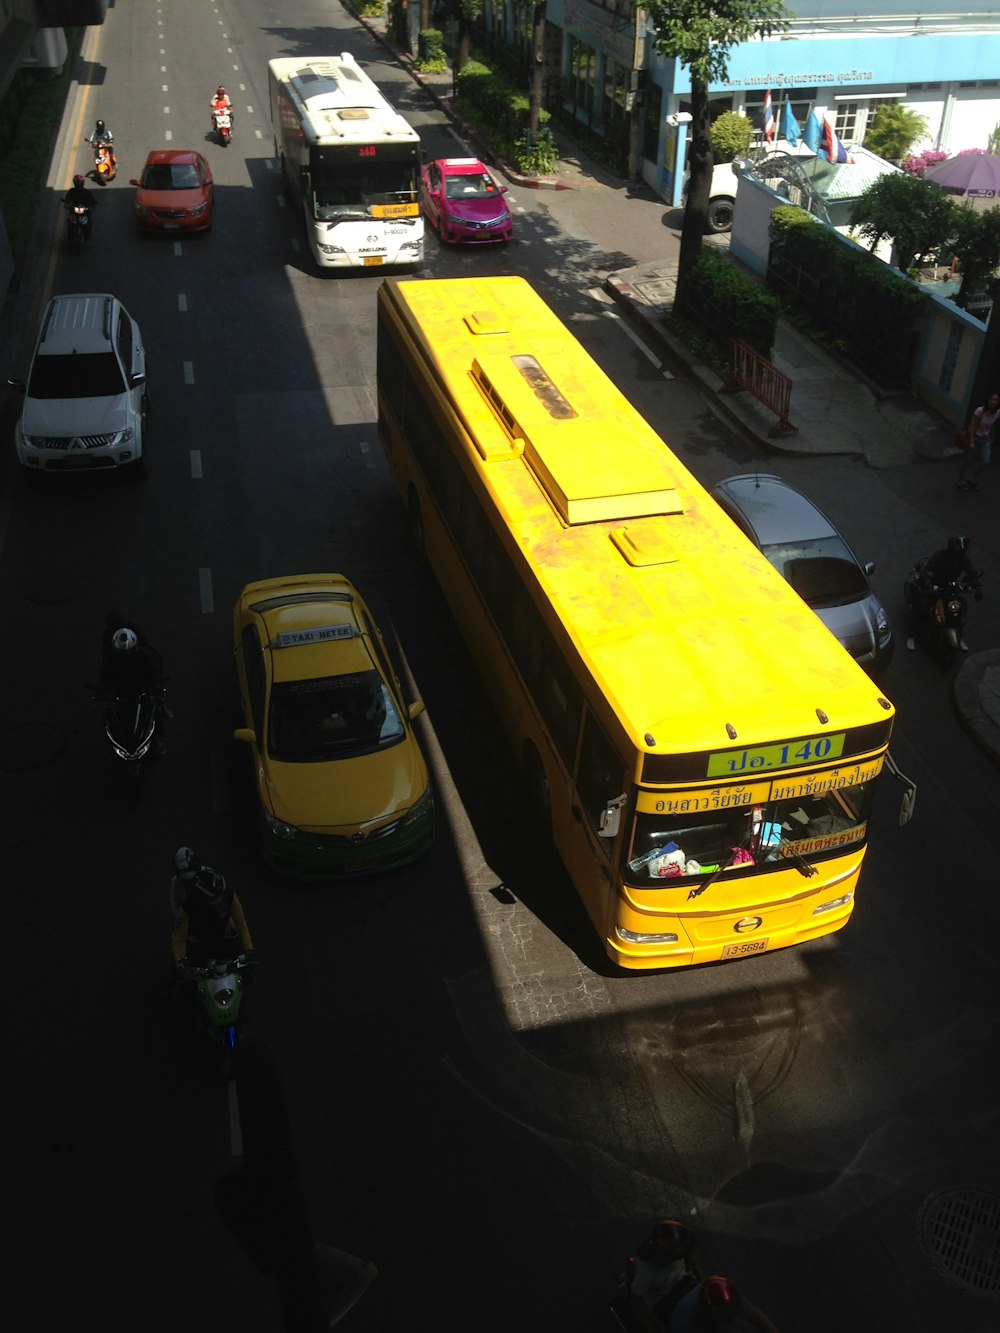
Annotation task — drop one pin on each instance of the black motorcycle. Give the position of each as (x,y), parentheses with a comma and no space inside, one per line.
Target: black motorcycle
(938,611)
(77,226)
(132,724)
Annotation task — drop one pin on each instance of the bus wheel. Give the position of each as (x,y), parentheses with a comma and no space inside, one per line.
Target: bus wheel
(537,783)
(416,523)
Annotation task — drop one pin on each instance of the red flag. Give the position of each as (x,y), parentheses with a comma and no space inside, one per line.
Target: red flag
(768,117)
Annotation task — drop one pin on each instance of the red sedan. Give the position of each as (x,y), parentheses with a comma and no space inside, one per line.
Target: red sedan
(174,192)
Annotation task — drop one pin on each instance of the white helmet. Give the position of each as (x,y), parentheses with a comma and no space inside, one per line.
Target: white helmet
(124,640)
(186,862)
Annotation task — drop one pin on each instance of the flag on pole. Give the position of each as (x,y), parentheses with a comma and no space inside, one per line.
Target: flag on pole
(831,147)
(790,130)
(768,117)
(813,133)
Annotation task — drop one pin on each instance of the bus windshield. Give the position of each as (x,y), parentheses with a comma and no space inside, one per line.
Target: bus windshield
(350,189)
(666,848)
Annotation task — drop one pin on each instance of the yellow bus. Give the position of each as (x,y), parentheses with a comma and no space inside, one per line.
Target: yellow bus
(704,751)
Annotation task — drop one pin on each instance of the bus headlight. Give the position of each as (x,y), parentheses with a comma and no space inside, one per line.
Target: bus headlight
(833,904)
(330,249)
(633,937)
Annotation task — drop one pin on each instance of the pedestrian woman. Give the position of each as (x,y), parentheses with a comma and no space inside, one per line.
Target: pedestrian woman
(980,438)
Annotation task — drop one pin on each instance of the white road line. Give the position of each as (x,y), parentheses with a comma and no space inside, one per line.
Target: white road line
(196,472)
(268,162)
(366,449)
(281,200)
(166,111)
(650,355)
(188,372)
(182,302)
(205,591)
(259,134)
(178,249)
(169,135)
(165,88)
(295,244)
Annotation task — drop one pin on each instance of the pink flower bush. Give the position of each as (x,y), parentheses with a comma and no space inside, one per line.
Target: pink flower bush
(918,164)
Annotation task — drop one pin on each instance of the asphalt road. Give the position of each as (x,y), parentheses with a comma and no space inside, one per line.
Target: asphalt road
(475,1101)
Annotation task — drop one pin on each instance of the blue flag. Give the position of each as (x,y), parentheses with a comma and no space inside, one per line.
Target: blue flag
(790,130)
(813,136)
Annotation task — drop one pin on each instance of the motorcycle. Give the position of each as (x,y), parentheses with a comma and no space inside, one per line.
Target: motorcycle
(132,723)
(666,1255)
(105,167)
(77,226)
(938,611)
(223,121)
(218,985)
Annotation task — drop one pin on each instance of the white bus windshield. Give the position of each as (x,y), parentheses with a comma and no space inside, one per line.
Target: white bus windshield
(351,189)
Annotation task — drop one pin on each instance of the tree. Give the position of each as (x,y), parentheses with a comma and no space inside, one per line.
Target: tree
(730,135)
(976,246)
(699,34)
(918,216)
(894,130)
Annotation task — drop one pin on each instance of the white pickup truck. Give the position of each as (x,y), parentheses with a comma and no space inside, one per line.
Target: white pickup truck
(722,197)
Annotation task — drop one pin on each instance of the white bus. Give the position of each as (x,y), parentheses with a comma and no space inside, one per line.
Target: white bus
(349,160)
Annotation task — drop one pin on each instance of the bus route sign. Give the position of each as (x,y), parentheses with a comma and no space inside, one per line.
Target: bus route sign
(790,754)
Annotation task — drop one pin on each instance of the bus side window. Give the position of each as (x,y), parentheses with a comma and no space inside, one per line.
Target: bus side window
(599,777)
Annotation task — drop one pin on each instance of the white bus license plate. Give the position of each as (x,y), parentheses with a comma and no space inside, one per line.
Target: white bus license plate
(744,947)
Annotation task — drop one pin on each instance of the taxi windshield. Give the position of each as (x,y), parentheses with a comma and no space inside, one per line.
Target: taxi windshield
(471,186)
(682,847)
(332,717)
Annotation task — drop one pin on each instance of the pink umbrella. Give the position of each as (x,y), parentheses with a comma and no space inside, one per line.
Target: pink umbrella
(976,176)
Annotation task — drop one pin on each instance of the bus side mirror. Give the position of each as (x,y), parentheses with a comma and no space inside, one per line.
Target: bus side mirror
(611,818)
(245,734)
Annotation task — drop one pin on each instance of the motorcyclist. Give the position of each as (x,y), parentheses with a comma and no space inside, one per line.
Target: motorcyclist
(102,138)
(716,1304)
(78,195)
(130,664)
(949,565)
(209,921)
(659,1274)
(221,102)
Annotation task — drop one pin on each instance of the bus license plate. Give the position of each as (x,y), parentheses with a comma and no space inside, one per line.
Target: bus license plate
(744,947)
(371,259)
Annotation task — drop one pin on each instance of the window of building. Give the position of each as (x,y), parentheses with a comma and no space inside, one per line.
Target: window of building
(582,76)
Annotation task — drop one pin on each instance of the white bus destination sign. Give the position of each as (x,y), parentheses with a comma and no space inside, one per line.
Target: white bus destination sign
(296,638)
(788,787)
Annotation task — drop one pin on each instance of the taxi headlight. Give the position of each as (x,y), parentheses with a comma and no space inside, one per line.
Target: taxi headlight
(279,829)
(419,810)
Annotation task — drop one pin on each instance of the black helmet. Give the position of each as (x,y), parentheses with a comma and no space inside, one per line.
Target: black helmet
(77,180)
(186,862)
(668,1241)
(99,127)
(210,890)
(958,543)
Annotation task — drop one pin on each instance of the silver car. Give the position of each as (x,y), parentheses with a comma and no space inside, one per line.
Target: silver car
(806,549)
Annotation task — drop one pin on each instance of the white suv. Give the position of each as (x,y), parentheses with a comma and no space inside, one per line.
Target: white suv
(85,400)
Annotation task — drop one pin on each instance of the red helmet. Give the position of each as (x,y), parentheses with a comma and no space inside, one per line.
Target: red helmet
(77,180)
(220,91)
(718,1293)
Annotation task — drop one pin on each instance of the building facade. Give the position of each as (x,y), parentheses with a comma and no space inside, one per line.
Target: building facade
(943,64)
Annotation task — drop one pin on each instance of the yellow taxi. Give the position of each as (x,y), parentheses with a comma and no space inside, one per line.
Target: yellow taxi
(343,786)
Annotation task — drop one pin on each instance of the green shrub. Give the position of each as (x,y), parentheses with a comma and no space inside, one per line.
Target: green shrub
(845,295)
(730,134)
(725,303)
(431,57)
(500,111)
(369,9)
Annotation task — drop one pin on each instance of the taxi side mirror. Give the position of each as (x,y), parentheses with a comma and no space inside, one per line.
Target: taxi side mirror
(245,734)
